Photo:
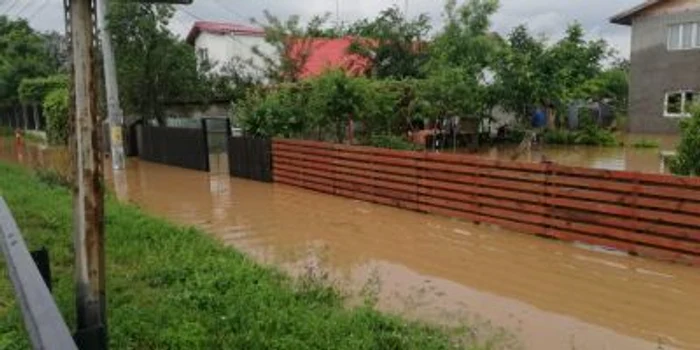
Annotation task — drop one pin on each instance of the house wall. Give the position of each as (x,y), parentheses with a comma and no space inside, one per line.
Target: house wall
(214,110)
(656,70)
(223,48)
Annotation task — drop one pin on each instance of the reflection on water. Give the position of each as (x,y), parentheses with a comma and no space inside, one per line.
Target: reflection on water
(646,160)
(549,294)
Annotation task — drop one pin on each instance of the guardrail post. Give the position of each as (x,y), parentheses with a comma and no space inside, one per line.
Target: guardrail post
(42,261)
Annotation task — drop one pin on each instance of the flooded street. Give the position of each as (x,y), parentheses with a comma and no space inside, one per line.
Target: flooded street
(611,158)
(547,294)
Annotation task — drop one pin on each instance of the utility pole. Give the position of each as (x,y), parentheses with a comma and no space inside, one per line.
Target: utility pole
(116,115)
(88,195)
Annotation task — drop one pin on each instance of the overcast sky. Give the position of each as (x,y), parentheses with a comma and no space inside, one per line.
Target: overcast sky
(548,17)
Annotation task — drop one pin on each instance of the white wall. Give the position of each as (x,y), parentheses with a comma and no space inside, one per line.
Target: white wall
(223,48)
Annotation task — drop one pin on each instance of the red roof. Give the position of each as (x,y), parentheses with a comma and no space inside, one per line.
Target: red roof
(222,28)
(325,54)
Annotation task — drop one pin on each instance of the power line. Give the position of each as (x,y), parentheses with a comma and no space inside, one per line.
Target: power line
(235,13)
(39,10)
(12,6)
(19,13)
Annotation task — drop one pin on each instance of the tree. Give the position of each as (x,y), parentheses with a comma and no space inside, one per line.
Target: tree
(153,65)
(687,162)
(337,98)
(571,62)
(292,44)
(461,56)
(530,73)
(394,45)
(519,84)
(23,54)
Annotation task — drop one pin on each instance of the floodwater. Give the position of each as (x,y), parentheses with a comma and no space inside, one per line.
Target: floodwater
(546,294)
(629,158)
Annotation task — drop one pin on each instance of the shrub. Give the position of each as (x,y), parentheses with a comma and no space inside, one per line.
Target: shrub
(56,110)
(37,89)
(644,143)
(559,137)
(687,160)
(392,142)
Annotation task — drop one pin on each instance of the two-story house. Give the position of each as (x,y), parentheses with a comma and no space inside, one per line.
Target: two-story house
(220,43)
(665,63)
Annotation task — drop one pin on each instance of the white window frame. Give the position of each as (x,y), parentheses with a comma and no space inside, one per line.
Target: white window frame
(694,43)
(684,109)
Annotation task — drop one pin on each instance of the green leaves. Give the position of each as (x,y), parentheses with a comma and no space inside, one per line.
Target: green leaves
(24,53)
(687,160)
(154,66)
(56,109)
(34,90)
(393,44)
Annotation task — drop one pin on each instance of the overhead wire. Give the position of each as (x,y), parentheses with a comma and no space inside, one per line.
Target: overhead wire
(19,13)
(39,10)
(11,7)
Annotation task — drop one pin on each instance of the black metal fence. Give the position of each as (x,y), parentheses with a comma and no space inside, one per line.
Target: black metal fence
(250,158)
(182,147)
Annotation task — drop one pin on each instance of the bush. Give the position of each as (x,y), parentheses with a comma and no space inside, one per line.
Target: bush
(687,160)
(35,90)
(644,143)
(56,110)
(589,134)
(392,142)
(559,137)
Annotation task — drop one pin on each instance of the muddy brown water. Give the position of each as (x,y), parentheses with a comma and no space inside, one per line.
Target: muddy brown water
(546,294)
(629,158)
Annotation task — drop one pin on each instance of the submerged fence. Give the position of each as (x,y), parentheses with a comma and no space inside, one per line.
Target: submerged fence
(183,147)
(650,215)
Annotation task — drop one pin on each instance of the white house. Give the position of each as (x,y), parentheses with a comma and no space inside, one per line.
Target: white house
(220,43)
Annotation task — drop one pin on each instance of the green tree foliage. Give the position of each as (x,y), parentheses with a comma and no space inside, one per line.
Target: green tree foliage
(23,54)
(520,84)
(687,161)
(292,43)
(395,46)
(530,73)
(34,90)
(460,61)
(56,110)
(337,98)
(153,65)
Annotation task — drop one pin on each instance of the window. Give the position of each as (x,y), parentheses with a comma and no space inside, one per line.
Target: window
(678,103)
(684,36)
(203,55)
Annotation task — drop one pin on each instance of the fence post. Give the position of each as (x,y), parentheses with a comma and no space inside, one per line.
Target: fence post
(205,139)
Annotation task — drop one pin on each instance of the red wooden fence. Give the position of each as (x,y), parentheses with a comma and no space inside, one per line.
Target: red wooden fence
(646,214)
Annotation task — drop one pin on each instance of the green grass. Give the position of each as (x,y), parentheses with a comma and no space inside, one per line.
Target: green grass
(172,287)
(6,131)
(644,143)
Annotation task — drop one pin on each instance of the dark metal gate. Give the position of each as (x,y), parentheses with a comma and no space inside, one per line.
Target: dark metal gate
(250,158)
(182,147)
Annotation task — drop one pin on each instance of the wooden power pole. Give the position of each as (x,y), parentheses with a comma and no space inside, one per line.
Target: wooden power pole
(88,194)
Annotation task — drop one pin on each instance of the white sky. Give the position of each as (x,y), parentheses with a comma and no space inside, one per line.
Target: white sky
(548,17)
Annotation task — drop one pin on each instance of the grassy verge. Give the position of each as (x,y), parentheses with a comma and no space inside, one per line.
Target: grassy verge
(172,287)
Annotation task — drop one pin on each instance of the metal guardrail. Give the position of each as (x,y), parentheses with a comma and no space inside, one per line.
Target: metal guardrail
(46,327)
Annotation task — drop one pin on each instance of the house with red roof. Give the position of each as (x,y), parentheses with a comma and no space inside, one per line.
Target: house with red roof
(323,54)
(220,43)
